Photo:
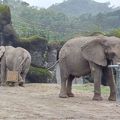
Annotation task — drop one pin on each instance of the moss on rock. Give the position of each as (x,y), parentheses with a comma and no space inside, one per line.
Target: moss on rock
(33,43)
(56,43)
(5,17)
(4,8)
(32,38)
(40,71)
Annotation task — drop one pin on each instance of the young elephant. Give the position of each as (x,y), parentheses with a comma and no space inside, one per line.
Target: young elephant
(84,55)
(14,59)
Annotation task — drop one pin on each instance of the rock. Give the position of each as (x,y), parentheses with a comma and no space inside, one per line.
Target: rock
(5,15)
(53,52)
(37,47)
(8,35)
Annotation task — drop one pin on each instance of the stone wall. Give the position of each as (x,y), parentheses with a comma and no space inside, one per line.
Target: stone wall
(37,47)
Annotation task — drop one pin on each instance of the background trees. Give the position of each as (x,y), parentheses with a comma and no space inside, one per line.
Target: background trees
(60,25)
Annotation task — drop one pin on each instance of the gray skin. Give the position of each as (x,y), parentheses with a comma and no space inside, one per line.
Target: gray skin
(14,59)
(83,55)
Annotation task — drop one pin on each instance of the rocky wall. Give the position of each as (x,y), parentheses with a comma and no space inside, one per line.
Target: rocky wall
(8,35)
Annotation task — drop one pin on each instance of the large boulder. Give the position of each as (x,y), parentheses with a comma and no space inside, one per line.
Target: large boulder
(37,47)
(5,15)
(8,35)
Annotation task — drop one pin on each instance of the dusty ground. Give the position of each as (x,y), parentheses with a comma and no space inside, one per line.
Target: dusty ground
(41,102)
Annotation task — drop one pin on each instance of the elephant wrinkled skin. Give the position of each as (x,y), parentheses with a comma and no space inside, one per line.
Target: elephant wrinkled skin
(83,55)
(14,59)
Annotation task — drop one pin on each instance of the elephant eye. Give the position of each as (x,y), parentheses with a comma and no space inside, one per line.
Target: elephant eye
(111,55)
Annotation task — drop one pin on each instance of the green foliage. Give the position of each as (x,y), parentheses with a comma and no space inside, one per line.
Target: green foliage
(4,13)
(79,7)
(4,8)
(97,33)
(57,43)
(33,38)
(115,32)
(40,71)
(51,25)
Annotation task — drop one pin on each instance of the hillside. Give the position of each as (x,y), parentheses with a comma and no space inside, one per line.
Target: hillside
(52,25)
(78,7)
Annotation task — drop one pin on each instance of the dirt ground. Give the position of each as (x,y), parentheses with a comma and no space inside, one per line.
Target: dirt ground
(41,102)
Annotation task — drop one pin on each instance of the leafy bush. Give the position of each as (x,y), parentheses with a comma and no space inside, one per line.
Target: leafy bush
(38,75)
(40,71)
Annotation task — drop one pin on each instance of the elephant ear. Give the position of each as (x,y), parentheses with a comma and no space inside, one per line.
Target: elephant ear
(94,52)
(2,50)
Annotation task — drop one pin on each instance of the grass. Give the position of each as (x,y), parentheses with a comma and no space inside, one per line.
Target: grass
(90,88)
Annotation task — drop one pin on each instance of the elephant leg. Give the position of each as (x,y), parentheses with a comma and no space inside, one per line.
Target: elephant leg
(69,86)
(21,81)
(3,77)
(3,72)
(96,72)
(111,82)
(19,69)
(64,77)
(63,90)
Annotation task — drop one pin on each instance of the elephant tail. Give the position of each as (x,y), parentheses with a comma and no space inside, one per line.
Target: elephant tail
(25,57)
(53,65)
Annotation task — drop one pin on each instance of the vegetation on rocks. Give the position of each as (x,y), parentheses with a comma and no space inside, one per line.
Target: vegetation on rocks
(32,38)
(38,75)
(4,9)
(40,71)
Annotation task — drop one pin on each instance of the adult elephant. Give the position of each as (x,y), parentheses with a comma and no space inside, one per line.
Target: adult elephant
(14,59)
(83,55)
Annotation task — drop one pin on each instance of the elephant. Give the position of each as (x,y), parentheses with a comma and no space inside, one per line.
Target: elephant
(14,59)
(83,55)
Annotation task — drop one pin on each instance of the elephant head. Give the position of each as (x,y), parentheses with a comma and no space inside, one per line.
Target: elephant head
(99,51)
(2,51)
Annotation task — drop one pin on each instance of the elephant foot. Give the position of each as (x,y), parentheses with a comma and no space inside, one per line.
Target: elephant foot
(70,94)
(112,98)
(21,84)
(61,95)
(3,84)
(97,97)
(11,84)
